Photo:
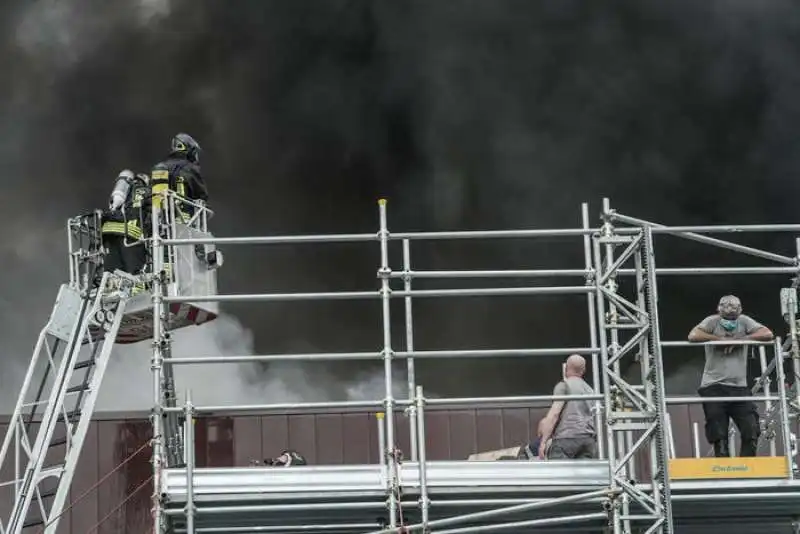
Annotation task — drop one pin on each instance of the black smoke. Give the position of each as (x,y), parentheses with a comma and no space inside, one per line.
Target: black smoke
(464,114)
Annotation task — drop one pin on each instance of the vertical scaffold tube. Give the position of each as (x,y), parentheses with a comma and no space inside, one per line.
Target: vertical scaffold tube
(786,430)
(156,364)
(614,515)
(423,459)
(380,420)
(412,380)
(795,348)
(384,273)
(624,441)
(591,307)
(662,490)
(766,387)
(188,433)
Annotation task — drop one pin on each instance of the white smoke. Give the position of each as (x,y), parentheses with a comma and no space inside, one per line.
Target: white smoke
(127,385)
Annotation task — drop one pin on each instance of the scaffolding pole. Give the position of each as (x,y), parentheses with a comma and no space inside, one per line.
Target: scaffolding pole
(383,276)
(159,340)
(411,370)
(592,316)
(189,460)
(609,280)
(479,234)
(417,354)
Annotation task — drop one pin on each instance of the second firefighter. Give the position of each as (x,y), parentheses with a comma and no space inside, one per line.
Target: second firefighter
(123,224)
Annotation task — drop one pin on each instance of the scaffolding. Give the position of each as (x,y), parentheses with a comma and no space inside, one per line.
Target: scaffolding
(636,485)
(417,495)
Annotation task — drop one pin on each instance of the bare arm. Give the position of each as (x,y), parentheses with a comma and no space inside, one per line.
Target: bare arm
(548,424)
(756,331)
(762,334)
(697,335)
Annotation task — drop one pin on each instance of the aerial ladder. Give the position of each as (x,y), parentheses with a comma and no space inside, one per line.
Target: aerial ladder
(92,313)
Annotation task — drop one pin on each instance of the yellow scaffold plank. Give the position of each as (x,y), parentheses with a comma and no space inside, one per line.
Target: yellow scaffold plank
(711,468)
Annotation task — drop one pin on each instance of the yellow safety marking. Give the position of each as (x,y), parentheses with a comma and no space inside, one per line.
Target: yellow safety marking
(379,415)
(133,229)
(382,202)
(716,468)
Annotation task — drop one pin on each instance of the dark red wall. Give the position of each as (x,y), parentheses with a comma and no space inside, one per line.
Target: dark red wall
(325,438)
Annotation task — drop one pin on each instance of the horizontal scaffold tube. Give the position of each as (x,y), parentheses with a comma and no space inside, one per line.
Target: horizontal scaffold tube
(489,514)
(284,529)
(701,400)
(411,236)
(476,401)
(583,273)
(315,507)
(479,234)
(342,356)
(530,523)
(471,402)
(720,343)
(727,496)
(366,295)
(332,405)
(712,229)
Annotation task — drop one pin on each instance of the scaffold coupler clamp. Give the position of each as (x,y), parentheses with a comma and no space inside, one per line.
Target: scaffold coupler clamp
(610,503)
(384,272)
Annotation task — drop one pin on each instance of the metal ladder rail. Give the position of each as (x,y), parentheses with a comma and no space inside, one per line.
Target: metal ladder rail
(43,384)
(24,493)
(33,471)
(66,417)
(16,427)
(86,409)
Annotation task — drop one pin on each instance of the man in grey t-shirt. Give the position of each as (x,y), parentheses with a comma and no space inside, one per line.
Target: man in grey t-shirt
(725,375)
(570,423)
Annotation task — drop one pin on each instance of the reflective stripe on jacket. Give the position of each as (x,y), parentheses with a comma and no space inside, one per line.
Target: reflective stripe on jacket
(118,228)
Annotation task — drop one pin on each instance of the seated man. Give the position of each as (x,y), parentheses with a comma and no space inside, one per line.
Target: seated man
(567,431)
(725,375)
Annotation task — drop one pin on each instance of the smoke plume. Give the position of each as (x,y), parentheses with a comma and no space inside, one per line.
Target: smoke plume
(464,114)
(225,384)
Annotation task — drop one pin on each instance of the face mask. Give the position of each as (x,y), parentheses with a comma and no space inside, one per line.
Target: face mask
(728,324)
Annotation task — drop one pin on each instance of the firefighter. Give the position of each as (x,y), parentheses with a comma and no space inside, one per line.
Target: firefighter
(180,173)
(123,224)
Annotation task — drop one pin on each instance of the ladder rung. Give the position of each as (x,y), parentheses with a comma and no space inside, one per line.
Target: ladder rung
(33,404)
(78,388)
(70,415)
(84,364)
(47,494)
(47,472)
(57,442)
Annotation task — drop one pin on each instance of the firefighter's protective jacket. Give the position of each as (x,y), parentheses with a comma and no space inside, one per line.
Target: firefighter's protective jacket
(180,175)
